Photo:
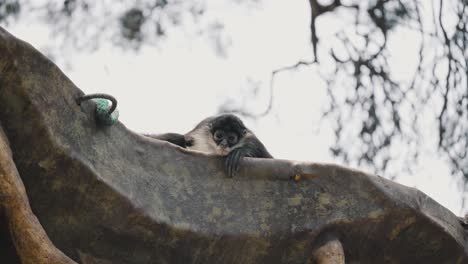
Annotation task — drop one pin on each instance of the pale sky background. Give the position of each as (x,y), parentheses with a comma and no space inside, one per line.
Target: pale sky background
(170,88)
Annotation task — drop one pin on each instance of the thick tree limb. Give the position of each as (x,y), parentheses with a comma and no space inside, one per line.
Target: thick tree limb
(108,195)
(32,243)
(329,252)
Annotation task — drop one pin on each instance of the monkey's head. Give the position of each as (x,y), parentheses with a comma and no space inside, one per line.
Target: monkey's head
(227,130)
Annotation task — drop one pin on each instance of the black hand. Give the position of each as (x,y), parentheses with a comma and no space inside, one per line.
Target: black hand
(232,161)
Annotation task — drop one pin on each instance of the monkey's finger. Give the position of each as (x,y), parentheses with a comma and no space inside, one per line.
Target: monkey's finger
(236,162)
(227,164)
(232,164)
(231,161)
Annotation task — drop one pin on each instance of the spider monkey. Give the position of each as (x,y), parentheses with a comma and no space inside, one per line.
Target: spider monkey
(223,135)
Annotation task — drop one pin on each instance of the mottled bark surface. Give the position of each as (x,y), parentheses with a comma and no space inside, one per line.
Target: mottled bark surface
(108,195)
(23,230)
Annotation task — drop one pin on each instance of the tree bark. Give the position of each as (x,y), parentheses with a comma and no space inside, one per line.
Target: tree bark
(329,251)
(32,244)
(109,195)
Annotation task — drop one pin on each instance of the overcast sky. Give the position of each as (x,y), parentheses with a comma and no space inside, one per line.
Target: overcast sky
(172,87)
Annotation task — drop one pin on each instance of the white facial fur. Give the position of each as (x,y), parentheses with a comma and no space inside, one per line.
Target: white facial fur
(204,142)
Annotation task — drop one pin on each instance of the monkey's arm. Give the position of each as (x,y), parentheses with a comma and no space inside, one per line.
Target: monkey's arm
(249,146)
(174,138)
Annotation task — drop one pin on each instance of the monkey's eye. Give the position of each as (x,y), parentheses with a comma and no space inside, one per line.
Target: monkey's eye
(218,134)
(232,138)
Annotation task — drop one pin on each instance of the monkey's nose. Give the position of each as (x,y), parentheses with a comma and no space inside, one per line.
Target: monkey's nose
(223,144)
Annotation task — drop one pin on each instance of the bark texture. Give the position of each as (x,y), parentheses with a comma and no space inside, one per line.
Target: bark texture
(22,229)
(108,195)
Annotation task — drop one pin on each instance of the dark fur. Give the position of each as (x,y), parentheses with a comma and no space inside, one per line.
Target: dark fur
(247,146)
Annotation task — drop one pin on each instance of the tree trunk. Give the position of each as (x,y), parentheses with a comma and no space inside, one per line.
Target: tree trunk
(108,195)
(29,238)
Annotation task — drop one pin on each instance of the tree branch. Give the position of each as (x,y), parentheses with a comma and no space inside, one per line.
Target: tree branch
(32,244)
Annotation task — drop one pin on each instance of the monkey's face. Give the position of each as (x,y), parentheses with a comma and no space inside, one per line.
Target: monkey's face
(225,140)
(227,131)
